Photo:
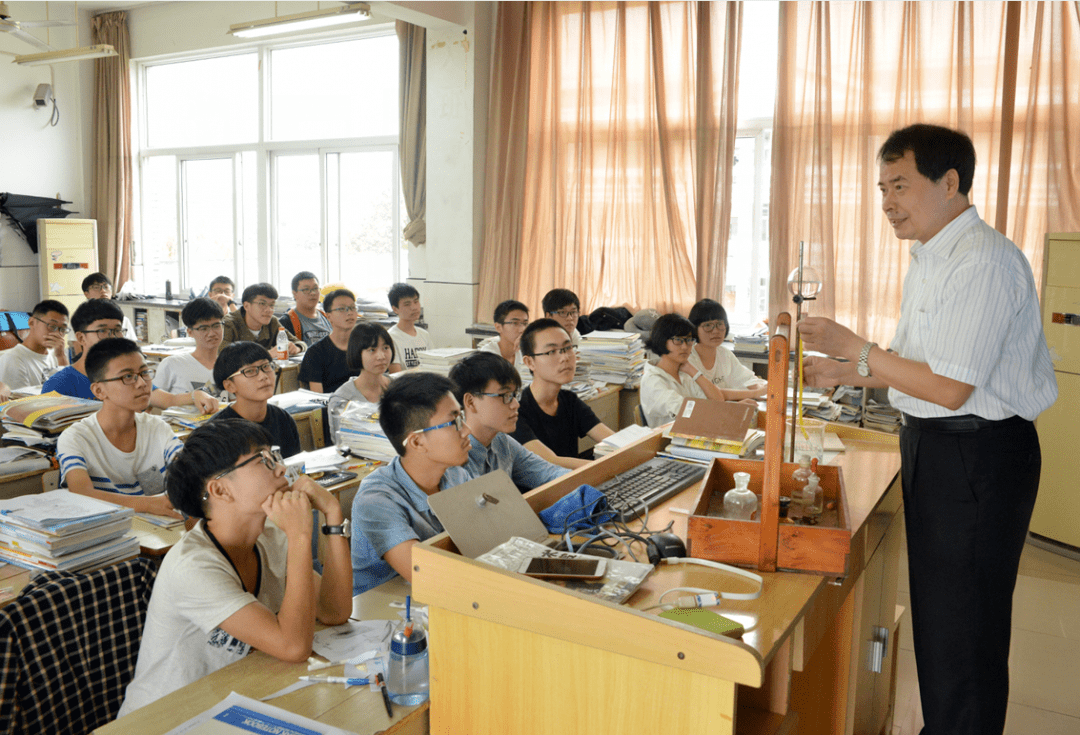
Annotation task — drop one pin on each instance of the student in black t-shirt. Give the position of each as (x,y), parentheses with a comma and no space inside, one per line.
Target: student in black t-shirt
(325,367)
(246,370)
(551,420)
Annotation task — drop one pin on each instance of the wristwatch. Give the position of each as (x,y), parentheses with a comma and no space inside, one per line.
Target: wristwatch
(343,530)
(864,366)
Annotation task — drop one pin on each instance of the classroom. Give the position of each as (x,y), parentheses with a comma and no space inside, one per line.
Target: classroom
(260,158)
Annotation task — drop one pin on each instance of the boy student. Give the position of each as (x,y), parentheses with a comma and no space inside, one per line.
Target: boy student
(488,388)
(120,453)
(235,582)
(325,367)
(562,305)
(255,321)
(195,370)
(305,321)
(551,420)
(408,338)
(511,318)
(221,290)
(41,352)
(247,370)
(94,321)
(98,286)
(426,426)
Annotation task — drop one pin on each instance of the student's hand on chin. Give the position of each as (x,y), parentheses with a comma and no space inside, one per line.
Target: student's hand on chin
(290,510)
(321,499)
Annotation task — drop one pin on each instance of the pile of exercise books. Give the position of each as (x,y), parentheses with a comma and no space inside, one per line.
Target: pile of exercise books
(359,433)
(64,531)
(704,430)
(440,360)
(16,460)
(881,417)
(622,438)
(49,413)
(614,357)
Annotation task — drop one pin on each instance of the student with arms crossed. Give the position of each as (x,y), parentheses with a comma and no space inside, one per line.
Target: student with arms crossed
(488,388)
(371,350)
(120,453)
(99,319)
(41,352)
(511,318)
(234,582)
(326,367)
(717,363)
(426,426)
(563,305)
(221,290)
(306,322)
(246,370)
(408,338)
(551,420)
(255,321)
(195,370)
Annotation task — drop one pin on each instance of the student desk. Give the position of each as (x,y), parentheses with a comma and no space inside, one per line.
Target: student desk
(356,709)
(511,654)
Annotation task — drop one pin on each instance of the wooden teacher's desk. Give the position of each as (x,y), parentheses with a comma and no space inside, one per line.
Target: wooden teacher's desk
(511,654)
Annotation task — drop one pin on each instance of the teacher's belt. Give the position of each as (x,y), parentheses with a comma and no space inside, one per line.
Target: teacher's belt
(958,424)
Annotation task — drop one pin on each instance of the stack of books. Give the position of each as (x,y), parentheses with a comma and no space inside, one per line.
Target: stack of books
(442,359)
(359,433)
(34,417)
(705,430)
(881,417)
(622,438)
(615,357)
(64,531)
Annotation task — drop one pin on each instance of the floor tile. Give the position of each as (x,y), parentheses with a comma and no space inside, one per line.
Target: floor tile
(1050,606)
(1044,671)
(1038,562)
(1023,720)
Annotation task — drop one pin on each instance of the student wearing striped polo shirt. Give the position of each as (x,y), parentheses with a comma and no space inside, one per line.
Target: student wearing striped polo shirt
(969,370)
(120,453)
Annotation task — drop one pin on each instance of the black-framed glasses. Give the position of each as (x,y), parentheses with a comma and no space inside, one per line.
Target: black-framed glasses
(105,332)
(52,326)
(221,292)
(216,326)
(457,422)
(515,323)
(507,398)
(259,304)
(566,314)
(560,350)
(680,341)
(308,291)
(271,458)
(714,326)
(252,371)
(100,288)
(131,378)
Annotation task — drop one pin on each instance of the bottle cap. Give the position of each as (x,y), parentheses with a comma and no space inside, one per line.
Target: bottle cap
(409,645)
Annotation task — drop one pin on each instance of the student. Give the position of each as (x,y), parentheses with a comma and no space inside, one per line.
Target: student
(511,318)
(717,363)
(221,290)
(488,389)
(426,426)
(247,370)
(408,338)
(195,370)
(551,420)
(98,286)
(43,350)
(306,322)
(325,367)
(371,350)
(234,582)
(99,319)
(562,305)
(255,321)
(120,453)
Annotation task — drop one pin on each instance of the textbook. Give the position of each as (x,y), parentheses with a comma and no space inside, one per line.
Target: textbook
(60,512)
(40,542)
(49,412)
(92,557)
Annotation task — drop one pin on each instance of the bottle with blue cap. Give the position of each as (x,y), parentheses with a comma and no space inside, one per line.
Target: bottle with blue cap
(407,674)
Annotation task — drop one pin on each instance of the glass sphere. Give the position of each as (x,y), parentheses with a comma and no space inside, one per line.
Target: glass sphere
(811,282)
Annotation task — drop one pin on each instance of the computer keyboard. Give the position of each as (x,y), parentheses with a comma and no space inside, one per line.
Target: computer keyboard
(648,485)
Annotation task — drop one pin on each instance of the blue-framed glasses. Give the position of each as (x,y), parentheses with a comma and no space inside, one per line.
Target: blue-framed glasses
(457,422)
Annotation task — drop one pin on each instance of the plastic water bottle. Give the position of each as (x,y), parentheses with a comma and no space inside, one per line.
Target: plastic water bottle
(407,672)
(282,344)
(740,503)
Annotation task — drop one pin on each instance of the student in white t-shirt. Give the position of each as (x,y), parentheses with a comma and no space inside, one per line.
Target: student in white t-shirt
(43,350)
(409,339)
(564,306)
(234,582)
(511,318)
(717,363)
(120,453)
(195,370)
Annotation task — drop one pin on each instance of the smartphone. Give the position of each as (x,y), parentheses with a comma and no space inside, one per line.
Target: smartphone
(539,566)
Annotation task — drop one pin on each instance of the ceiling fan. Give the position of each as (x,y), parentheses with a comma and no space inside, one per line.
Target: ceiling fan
(49,54)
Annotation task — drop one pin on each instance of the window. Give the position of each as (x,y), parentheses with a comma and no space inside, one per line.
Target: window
(306,181)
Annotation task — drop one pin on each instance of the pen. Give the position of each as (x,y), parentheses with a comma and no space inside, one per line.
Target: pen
(385,696)
(337,680)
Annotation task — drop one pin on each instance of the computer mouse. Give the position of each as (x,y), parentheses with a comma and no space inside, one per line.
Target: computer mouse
(663,545)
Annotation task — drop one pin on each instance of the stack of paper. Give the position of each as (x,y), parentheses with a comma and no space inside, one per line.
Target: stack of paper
(327,459)
(298,401)
(186,416)
(359,433)
(615,357)
(442,359)
(49,413)
(64,531)
(620,439)
(881,417)
(16,460)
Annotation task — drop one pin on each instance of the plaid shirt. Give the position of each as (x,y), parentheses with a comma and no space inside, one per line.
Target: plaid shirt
(68,646)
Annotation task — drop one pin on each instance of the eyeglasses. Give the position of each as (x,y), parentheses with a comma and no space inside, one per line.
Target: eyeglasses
(221,292)
(105,332)
(264,304)
(131,378)
(252,371)
(271,458)
(308,291)
(712,326)
(100,288)
(566,314)
(208,327)
(680,341)
(560,350)
(457,422)
(52,326)
(516,323)
(345,309)
(507,398)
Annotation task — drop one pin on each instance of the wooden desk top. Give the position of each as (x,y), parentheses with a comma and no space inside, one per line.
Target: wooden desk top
(357,709)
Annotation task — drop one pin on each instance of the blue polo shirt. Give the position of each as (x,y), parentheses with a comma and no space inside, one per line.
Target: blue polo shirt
(526,469)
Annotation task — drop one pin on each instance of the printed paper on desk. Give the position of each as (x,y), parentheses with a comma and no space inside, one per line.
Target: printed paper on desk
(238,714)
(353,638)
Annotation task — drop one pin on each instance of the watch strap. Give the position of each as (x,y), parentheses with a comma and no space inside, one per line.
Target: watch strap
(864,359)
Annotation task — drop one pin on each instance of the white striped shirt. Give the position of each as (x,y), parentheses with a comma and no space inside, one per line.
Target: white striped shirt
(970,311)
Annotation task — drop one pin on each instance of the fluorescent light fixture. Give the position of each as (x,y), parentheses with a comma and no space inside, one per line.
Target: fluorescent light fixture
(348,13)
(100,51)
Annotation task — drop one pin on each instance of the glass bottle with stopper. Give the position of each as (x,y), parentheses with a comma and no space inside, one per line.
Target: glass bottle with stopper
(801,477)
(740,503)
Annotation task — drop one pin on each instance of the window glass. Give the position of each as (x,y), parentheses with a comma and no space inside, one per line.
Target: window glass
(203,102)
(158,251)
(367,222)
(297,214)
(208,219)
